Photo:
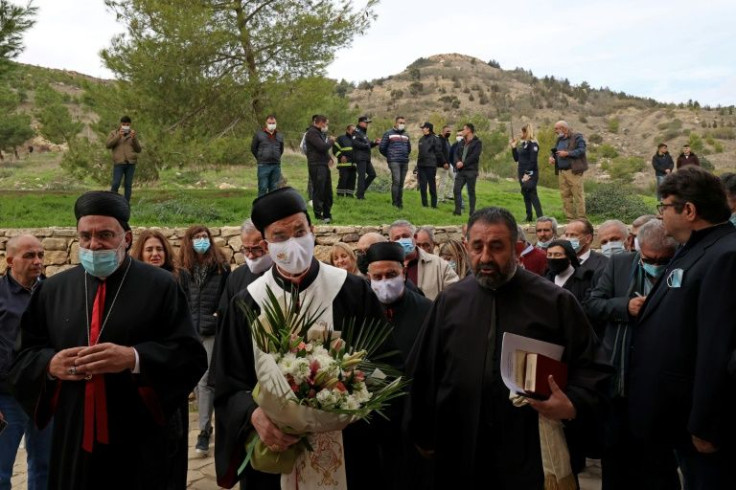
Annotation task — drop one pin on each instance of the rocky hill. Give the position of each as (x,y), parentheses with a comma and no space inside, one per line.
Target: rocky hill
(452,87)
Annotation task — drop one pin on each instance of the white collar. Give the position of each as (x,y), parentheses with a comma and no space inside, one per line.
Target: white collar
(528,249)
(561,279)
(584,257)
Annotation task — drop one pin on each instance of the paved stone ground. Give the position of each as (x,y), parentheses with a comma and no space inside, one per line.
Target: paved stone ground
(201,474)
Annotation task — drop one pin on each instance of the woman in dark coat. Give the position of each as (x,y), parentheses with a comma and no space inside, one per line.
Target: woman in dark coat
(525,152)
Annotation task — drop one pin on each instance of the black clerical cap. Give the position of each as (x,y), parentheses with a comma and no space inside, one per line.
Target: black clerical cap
(103,203)
(277,205)
(569,251)
(385,251)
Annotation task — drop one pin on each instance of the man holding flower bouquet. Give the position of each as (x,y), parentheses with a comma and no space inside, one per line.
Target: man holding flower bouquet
(318,372)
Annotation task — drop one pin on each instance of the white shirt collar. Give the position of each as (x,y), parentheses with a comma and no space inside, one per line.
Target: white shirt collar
(584,257)
(528,249)
(561,279)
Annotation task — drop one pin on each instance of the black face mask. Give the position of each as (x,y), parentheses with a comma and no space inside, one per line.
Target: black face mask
(362,263)
(447,135)
(558,266)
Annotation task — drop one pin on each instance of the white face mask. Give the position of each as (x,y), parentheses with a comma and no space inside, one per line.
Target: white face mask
(261,264)
(293,255)
(325,129)
(401,127)
(637,247)
(271,126)
(388,290)
(459,139)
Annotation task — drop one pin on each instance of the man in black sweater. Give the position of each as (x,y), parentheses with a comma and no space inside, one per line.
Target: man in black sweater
(467,163)
(319,163)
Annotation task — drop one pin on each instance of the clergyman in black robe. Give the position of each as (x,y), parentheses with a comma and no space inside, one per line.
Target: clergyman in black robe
(459,409)
(144,309)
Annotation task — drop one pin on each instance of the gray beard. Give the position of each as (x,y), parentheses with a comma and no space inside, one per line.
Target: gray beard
(495,283)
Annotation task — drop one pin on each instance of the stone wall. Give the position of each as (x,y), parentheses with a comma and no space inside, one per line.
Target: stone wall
(62,248)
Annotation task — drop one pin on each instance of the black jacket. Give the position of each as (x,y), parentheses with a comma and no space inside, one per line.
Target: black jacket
(683,340)
(471,159)
(430,151)
(527,154)
(595,263)
(267,147)
(662,163)
(318,150)
(362,145)
(204,299)
(14,299)
(343,147)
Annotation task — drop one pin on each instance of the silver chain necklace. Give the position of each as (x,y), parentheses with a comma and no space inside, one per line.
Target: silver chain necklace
(112,305)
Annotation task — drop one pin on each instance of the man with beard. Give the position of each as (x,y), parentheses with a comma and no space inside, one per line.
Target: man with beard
(459,409)
(335,296)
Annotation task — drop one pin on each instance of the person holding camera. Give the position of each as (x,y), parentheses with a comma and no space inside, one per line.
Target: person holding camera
(125,148)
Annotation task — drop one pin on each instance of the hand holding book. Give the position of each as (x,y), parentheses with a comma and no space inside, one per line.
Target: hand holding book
(557,407)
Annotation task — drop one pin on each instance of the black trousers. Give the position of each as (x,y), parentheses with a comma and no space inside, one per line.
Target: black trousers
(629,463)
(366,174)
(531,199)
(427,176)
(463,178)
(321,191)
(346,180)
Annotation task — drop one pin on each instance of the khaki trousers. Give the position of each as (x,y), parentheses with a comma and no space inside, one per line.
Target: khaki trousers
(571,189)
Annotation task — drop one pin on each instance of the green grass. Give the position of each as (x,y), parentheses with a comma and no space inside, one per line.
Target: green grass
(35,192)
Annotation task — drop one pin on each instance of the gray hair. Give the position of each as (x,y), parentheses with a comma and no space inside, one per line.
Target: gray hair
(549,219)
(562,123)
(402,223)
(248,226)
(645,218)
(429,231)
(618,224)
(654,235)
(11,248)
(521,234)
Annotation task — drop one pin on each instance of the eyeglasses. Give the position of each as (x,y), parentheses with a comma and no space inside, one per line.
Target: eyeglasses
(251,250)
(661,206)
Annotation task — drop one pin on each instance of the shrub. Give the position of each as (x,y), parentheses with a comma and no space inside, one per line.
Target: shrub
(615,201)
(624,168)
(696,142)
(706,164)
(595,138)
(607,151)
(613,125)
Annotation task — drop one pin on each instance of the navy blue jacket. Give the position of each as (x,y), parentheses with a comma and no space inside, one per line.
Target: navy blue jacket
(527,154)
(661,163)
(395,146)
(14,299)
(683,341)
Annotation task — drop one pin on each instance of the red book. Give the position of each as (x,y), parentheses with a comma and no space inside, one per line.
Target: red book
(537,370)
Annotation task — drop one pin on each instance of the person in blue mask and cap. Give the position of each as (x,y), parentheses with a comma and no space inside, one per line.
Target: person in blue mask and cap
(108,350)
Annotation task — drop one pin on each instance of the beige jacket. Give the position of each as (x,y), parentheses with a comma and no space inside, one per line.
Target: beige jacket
(433,274)
(124,148)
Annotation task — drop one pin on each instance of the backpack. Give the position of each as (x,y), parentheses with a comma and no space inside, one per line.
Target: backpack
(303,143)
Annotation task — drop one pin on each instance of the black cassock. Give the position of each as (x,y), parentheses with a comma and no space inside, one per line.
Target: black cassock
(461,410)
(149,314)
(236,379)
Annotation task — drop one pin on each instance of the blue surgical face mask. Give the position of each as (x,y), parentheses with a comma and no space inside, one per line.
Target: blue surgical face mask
(453,265)
(575,244)
(407,244)
(99,263)
(201,245)
(543,245)
(613,248)
(732,219)
(653,270)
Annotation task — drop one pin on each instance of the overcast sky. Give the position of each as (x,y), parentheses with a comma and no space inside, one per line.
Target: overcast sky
(670,50)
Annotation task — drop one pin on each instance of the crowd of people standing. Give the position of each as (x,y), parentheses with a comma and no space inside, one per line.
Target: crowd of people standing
(99,360)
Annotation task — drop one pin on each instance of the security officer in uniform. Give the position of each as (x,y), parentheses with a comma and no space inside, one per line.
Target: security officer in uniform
(342,148)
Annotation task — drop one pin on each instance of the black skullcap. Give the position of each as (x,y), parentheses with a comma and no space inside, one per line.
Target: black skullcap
(103,203)
(385,251)
(569,251)
(277,205)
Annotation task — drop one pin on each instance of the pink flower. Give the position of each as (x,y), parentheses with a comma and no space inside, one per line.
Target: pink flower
(340,387)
